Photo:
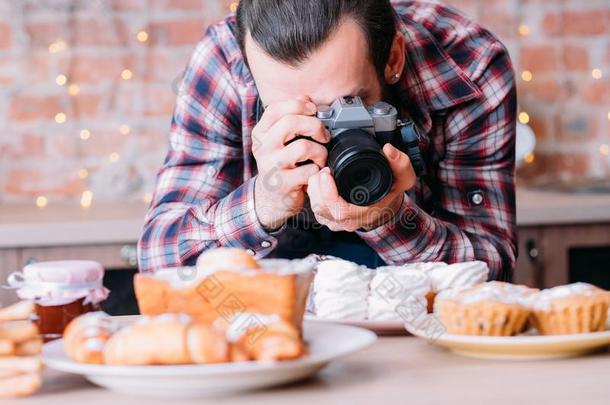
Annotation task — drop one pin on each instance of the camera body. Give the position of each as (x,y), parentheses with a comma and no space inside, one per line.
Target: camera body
(355,157)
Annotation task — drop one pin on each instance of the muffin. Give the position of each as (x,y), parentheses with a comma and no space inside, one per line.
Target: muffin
(489,309)
(568,309)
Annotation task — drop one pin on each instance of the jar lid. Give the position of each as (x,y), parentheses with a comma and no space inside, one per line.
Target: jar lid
(60,282)
(64,271)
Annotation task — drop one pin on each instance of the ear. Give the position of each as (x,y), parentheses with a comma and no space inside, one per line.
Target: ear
(396,60)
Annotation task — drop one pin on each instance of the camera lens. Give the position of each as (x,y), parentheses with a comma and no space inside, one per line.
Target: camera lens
(360,169)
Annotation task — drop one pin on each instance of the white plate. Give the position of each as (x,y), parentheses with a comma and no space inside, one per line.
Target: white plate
(521,347)
(326,343)
(380,327)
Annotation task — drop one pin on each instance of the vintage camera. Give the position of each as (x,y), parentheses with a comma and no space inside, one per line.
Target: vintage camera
(355,157)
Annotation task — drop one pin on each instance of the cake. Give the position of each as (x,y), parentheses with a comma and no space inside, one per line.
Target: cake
(226,282)
(568,309)
(398,293)
(457,275)
(489,309)
(341,290)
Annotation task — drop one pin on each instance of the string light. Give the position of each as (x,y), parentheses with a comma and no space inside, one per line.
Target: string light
(126,74)
(57,46)
(142,36)
(523,30)
(124,129)
(608,115)
(61,80)
(86,199)
(60,118)
(233,6)
(41,201)
(529,158)
(113,157)
(527,76)
(147,198)
(84,134)
(604,149)
(524,117)
(73,89)
(83,174)
(597,74)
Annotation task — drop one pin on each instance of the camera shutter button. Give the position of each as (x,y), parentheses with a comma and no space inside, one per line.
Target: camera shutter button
(381,108)
(324,112)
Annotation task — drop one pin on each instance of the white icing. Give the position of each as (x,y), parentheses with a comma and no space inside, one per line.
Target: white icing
(183,277)
(465,274)
(94,344)
(492,291)
(397,292)
(424,267)
(341,289)
(543,299)
(244,321)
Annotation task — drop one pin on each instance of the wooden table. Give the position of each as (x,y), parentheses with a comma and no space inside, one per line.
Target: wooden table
(394,370)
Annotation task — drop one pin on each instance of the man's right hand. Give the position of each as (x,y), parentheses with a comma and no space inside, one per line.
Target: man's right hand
(279,190)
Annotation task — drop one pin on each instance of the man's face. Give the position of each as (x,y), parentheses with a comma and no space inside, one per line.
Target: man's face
(340,67)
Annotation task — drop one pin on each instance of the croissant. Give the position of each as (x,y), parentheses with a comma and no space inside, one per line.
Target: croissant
(86,336)
(259,337)
(166,339)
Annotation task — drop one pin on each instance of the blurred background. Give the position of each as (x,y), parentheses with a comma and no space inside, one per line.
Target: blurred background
(87,89)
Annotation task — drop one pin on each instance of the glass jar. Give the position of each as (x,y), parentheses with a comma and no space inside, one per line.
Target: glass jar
(61,290)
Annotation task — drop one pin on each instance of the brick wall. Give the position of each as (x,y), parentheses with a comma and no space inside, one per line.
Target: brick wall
(86,88)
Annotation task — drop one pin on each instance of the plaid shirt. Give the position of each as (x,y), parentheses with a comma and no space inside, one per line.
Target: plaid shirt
(457,86)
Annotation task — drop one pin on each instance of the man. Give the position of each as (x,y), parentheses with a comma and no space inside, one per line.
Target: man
(236,175)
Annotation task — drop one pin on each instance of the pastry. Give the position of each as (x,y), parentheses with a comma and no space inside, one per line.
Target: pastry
(224,282)
(261,337)
(166,339)
(18,331)
(457,275)
(341,289)
(20,385)
(22,310)
(398,293)
(567,309)
(489,309)
(20,348)
(86,336)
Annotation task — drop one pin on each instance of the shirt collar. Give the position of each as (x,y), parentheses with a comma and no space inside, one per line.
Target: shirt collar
(431,78)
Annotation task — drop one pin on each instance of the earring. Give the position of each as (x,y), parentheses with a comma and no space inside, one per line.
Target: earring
(395,78)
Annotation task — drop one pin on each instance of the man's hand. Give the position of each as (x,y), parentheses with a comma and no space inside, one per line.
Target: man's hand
(279,188)
(339,215)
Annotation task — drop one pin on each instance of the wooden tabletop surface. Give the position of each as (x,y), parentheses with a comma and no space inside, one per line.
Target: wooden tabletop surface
(399,369)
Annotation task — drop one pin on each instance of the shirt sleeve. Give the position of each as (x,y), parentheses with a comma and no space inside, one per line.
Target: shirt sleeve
(201,200)
(474,209)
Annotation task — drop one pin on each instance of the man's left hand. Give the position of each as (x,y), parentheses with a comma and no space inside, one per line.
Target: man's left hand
(332,210)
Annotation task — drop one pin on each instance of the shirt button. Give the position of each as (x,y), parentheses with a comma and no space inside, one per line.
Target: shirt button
(265,244)
(250,252)
(211,171)
(476,198)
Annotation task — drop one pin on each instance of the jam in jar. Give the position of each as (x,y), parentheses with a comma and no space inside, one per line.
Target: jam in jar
(62,290)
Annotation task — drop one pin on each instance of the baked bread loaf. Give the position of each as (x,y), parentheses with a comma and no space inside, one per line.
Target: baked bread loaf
(166,339)
(225,282)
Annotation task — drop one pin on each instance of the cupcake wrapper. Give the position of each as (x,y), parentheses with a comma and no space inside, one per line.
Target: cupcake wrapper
(572,315)
(484,318)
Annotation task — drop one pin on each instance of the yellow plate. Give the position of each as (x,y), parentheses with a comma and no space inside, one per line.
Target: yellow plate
(522,346)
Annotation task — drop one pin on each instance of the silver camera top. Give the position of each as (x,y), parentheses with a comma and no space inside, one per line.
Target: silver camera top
(350,112)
